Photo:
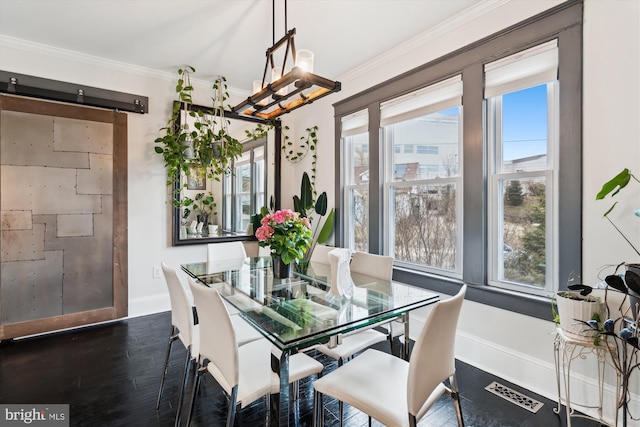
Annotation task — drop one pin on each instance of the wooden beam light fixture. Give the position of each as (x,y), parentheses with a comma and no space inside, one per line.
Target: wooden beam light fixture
(288,90)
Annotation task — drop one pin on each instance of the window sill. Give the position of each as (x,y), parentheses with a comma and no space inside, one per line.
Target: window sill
(529,305)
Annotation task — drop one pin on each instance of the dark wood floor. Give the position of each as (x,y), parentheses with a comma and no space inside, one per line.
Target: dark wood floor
(109,374)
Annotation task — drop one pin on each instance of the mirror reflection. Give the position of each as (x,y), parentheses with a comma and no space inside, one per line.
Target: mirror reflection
(219,208)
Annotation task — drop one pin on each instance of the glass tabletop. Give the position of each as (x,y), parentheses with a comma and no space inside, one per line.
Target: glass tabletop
(301,311)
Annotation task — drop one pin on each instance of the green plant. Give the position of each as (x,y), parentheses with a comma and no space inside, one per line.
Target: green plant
(174,145)
(205,203)
(201,204)
(613,187)
(306,206)
(286,233)
(295,154)
(204,144)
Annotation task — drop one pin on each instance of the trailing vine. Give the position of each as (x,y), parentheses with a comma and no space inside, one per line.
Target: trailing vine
(308,143)
(295,154)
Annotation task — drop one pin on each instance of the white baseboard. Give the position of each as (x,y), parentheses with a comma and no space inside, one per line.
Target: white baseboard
(149,305)
(536,375)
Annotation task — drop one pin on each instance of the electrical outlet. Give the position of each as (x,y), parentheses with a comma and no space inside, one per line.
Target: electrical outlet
(157,272)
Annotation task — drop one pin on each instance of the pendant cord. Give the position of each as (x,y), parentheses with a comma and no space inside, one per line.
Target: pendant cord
(273,22)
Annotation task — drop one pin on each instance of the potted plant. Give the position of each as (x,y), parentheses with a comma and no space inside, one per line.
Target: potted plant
(620,329)
(205,143)
(571,309)
(618,325)
(287,235)
(204,205)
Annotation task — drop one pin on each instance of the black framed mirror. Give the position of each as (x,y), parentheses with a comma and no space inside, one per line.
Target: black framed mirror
(220,211)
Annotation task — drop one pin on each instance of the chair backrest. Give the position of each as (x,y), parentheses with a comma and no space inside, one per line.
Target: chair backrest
(217,338)
(433,355)
(320,254)
(181,310)
(379,266)
(225,251)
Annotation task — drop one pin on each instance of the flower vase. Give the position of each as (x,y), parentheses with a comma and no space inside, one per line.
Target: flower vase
(280,269)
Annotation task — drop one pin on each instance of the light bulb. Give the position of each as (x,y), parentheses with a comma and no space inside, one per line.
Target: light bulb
(304,60)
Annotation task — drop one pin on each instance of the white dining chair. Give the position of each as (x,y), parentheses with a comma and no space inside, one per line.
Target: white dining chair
(380,267)
(183,327)
(354,343)
(225,251)
(396,392)
(371,265)
(320,254)
(243,372)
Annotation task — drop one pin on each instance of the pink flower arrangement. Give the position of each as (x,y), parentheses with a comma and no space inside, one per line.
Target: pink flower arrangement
(286,233)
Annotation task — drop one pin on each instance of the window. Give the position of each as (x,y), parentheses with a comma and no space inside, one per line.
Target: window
(522,137)
(423,210)
(248,179)
(427,149)
(356,142)
(491,194)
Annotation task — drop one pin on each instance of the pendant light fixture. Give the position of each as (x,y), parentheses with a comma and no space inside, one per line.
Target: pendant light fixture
(288,89)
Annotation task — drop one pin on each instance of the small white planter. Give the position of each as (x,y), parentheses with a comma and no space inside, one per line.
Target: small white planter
(573,307)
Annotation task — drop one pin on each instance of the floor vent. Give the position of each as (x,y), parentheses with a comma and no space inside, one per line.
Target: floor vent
(514,397)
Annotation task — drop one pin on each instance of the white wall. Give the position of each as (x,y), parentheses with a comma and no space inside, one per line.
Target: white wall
(515,347)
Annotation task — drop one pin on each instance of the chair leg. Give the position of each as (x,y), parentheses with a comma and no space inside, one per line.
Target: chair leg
(296,391)
(194,392)
(456,399)
(172,337)
(231,416)
(318,409)
(340,404)
(267,408)
(185,376)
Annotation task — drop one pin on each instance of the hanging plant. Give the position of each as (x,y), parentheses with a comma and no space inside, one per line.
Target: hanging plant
(205,144)
(174,145)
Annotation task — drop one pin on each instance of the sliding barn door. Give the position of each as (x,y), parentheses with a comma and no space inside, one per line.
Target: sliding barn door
(63,205)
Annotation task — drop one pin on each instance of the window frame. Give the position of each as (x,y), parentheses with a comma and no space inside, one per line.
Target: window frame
(563,22)
(351,186)
(390,184)
(493,110)
(230,194)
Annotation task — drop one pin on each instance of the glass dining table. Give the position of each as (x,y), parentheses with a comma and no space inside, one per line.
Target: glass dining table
(302,311)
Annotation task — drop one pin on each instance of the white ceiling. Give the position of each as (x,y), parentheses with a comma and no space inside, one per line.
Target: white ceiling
(224,37)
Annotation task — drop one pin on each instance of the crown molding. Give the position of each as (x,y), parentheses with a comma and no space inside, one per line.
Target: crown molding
(83,58)
(447,26)
(71,55)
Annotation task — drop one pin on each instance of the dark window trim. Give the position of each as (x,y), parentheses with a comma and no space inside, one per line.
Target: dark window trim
(563,22)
